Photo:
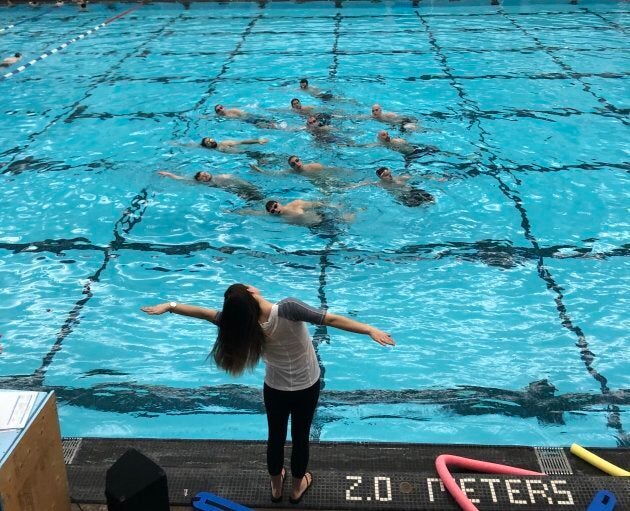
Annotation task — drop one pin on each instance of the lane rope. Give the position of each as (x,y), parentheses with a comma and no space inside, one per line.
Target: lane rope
(59,48)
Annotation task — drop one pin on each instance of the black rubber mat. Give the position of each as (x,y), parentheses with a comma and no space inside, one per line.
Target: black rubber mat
(351,475)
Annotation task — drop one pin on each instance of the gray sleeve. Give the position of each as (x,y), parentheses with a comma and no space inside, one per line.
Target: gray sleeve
(296,310)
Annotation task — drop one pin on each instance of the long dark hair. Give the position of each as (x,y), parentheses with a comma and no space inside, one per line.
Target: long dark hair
(241,339)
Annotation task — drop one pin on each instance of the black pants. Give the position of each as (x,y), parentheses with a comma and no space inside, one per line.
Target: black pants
(300,405)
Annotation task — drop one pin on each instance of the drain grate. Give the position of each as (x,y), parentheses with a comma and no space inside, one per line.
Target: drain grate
(70,446)
(553,461)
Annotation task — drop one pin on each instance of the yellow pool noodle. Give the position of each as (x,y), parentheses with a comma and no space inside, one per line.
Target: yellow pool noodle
(598,462)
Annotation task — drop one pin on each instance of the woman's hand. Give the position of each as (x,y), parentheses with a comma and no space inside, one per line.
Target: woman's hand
(384,339)
(157,309)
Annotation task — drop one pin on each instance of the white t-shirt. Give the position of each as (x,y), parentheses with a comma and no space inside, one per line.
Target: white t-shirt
(289,356)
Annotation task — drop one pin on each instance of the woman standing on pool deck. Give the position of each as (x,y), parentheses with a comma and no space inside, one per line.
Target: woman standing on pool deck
(250,328)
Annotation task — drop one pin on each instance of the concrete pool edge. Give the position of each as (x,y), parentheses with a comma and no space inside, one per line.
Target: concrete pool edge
(379,476)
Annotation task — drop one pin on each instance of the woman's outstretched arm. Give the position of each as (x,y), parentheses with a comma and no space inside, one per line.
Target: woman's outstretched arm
(182,309)
(350,325)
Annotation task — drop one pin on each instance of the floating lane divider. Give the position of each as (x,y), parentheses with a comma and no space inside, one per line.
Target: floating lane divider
(68,43)
(598,462)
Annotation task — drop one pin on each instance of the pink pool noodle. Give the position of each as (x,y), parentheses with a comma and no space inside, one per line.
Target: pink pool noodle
(484,467)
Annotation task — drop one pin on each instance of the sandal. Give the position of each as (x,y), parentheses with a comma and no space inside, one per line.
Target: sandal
(279,497)
(309,482)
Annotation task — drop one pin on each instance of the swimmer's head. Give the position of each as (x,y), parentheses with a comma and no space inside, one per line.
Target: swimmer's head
(219,110)
(203,177)
(295,163)
(208,142)
(303,83)
(377,111)
(295,104)
(273,207)
(384,173)
(312,122)
(383,136)
(18,55)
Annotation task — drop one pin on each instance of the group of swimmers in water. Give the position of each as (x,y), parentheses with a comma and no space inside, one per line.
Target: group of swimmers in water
(318,124)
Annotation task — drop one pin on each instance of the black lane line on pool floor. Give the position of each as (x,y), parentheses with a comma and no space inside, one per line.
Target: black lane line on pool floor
(614,418)
(226,65)
(219,76)
(123,226)
(587,356)
(498,253)
(620,114)
(321,334)
(22,164)
(613,24)
(131,216)
(538,400)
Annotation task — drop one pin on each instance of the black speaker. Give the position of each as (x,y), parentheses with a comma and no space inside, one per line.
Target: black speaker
(136,483)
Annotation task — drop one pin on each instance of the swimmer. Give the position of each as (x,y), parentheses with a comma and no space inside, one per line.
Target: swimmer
(301,212)
(325,133)
(403,146)
(386,176)
(237,113)
(297,166)
(232,113)
(296,106)
(314,91)
(9,61)
(228,182)
(315,125)
(405,123)
(309,213)
(230,146)
(404,193)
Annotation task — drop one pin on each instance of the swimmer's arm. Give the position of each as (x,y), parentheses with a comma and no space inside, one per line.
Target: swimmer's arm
(350,325)
(359,185)
(171,175)
(182,309)
(255,167)
(251,212)
(184,144)
(292,128)
(252,141)
(435,177)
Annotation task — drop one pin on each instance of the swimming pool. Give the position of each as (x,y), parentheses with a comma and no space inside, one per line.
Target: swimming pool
(507,296)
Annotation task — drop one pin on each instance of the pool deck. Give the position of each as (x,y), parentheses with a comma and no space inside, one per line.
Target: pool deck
(365,476)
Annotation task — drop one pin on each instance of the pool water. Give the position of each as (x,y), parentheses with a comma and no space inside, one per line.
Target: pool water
(507,296)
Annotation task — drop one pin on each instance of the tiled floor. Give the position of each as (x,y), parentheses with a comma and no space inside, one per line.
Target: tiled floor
(352,475)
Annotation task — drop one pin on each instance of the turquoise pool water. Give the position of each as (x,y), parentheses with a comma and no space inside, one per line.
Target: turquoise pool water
(508,296)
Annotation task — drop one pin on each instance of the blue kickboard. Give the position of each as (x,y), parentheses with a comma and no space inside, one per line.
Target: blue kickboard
(603,501)
(206,501)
